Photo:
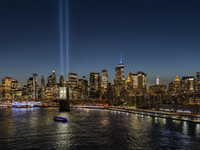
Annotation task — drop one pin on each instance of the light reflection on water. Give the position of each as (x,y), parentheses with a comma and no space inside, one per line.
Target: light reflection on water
(93,129)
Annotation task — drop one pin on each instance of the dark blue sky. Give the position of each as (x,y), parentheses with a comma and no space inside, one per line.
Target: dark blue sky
(159,37)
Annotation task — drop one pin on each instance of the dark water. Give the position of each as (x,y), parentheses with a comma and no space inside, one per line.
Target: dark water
(34,128)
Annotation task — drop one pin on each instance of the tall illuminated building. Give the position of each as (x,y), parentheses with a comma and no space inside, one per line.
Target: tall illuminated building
(95,81)
(41,93)
(139,82)
(197,82)
(53,76)
(6,87)
(61,80)
(187,84)
(119,81)
(82,85)
(104,81)
(130,80)
(121,65)
(177,85)
(35,91)
(30,87)
(171,87)
(72,79)
(51,80)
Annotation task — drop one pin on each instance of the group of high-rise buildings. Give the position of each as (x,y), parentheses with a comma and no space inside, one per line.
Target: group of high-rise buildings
(98,86)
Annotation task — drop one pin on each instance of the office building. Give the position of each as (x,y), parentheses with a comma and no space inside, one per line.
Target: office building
(197,82)
(139,83)
(72,79)
(177,85)
(187,84)
(61,80)
(104,81)
(95,82)
(35,91)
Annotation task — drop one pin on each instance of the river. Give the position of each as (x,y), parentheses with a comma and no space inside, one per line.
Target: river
(34,128)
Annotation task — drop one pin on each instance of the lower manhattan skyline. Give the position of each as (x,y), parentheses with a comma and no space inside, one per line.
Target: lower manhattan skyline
(159,38)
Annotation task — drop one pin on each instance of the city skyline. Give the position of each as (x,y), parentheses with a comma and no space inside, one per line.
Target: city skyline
(159,38)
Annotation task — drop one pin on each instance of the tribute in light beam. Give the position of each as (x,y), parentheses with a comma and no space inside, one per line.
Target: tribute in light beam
(67,39)
(61,37)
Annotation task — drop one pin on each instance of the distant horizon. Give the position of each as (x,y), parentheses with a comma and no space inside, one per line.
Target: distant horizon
(87,78)
(160,38)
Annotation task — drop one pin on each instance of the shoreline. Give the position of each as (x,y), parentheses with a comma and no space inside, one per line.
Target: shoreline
(173,116)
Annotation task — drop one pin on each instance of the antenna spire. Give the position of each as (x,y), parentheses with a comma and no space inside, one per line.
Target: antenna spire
(120,58)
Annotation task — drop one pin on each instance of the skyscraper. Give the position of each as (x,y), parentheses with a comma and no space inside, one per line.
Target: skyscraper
(35,91)
(198,82)
(61,80)
(119,81)
(177,85)
(95,82)
(139,82)
(121,65)
(104,82)
(53,76)
(187,84)
(72,79)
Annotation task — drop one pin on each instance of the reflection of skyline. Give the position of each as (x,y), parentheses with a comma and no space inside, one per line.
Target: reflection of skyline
(35,128)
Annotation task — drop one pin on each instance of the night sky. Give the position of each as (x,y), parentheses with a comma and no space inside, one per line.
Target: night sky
(159,37)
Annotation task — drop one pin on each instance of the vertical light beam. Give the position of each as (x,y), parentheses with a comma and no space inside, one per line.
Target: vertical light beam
(120,58)
(67,38)
(61,37)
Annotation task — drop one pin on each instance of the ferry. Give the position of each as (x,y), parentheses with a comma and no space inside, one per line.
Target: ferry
(61,119)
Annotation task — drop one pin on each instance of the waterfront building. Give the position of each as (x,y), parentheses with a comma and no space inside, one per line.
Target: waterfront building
(25,93)
(72,79)
(104,81)
(82,84)
(6,87)
(177,85)
(62,92)
(18,94)
(188,84)
(197,82)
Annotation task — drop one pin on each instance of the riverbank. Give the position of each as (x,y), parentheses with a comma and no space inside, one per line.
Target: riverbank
(160,114)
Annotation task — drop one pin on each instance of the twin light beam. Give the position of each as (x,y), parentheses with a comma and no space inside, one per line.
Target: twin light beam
(65,6)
